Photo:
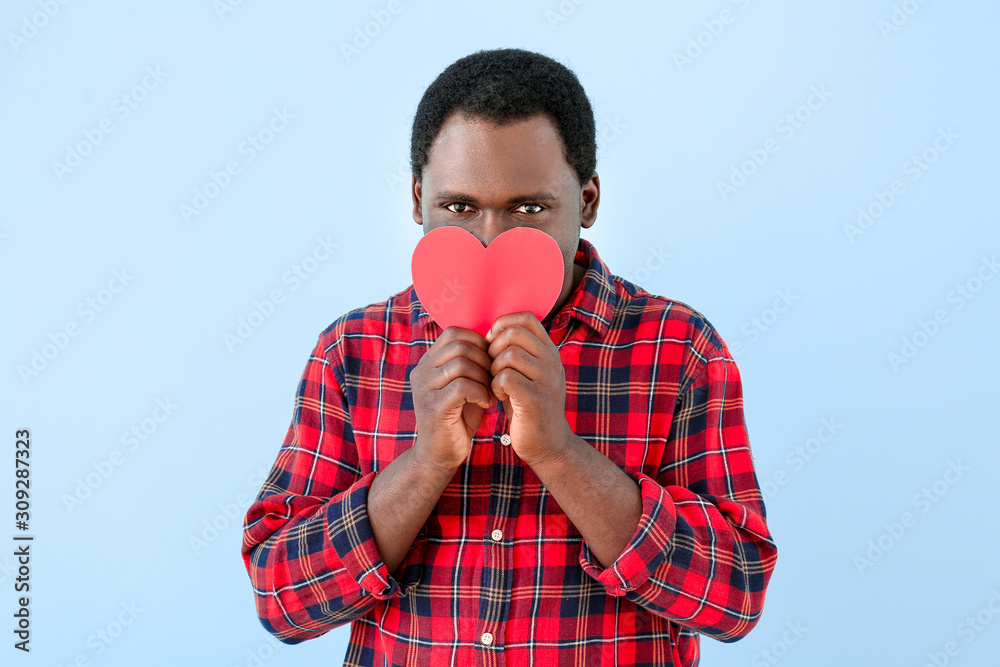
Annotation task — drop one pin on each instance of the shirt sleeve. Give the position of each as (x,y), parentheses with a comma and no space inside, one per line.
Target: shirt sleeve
(702,554)
(307,542)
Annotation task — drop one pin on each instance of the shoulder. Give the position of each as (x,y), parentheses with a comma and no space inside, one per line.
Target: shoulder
(669,321)
(364,331)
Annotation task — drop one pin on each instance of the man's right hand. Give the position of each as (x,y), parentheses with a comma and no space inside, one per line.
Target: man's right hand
(450,386)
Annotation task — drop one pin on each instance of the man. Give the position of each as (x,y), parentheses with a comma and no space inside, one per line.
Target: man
(578,490)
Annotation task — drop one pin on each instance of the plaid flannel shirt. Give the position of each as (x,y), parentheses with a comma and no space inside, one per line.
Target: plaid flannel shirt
(498,574)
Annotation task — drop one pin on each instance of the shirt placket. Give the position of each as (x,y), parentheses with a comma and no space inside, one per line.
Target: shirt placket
(497,579)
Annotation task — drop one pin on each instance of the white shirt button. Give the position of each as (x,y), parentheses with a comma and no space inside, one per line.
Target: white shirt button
(504,439)
(497,535)
(487,638)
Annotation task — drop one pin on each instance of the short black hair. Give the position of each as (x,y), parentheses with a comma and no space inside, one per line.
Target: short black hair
(506,85)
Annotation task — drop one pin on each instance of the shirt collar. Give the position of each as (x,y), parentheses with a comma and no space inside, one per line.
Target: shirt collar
(592,303)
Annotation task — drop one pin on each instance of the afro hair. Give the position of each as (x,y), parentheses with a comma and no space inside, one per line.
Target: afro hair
(503,86)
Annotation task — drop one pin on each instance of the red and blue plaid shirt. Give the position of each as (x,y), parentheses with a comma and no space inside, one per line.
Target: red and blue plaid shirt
(649,383)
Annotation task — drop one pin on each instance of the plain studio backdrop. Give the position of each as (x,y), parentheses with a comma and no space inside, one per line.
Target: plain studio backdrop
(192,191)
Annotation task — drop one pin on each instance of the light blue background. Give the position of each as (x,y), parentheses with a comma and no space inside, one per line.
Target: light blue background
(672,132)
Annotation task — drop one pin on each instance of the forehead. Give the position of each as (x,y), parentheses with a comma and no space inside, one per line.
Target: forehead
(473,154)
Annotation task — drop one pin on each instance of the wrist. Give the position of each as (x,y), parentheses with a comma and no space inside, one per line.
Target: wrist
(560,453)
(427,467)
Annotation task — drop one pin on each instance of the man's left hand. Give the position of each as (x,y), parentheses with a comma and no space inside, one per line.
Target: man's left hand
(528,377)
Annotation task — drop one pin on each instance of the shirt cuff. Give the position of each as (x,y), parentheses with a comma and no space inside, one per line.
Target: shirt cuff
(354,542)
(646,551)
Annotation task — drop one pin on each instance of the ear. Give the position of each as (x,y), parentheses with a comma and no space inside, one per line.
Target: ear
(415,192)
(590,198)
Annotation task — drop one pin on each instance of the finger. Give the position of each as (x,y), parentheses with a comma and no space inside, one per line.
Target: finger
(454,333)
(516,358)
(461,348)
(461,367)
(463,390)
(524,318)
(517,337)
(521,329)
(496,386)
(506,381)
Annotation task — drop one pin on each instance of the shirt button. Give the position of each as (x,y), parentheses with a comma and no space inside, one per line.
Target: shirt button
(487,638)
(497,535)
(504,439)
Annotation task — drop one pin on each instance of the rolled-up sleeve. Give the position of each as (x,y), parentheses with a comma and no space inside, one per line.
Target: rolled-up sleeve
(307,544)
(702,554)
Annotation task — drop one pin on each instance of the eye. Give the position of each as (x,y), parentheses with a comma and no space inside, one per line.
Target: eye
(539,208)
(467,208)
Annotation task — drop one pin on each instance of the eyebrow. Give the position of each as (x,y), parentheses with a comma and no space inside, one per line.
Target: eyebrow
(520,199)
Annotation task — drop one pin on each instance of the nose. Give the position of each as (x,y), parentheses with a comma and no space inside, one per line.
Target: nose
(491,226)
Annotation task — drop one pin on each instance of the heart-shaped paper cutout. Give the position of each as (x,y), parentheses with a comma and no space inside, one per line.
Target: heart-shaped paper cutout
(459,282)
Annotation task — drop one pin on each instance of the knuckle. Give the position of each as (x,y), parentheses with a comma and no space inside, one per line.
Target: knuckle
(458,367)
(458,385)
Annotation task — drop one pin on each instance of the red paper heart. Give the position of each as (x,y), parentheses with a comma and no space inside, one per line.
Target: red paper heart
(459,282)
